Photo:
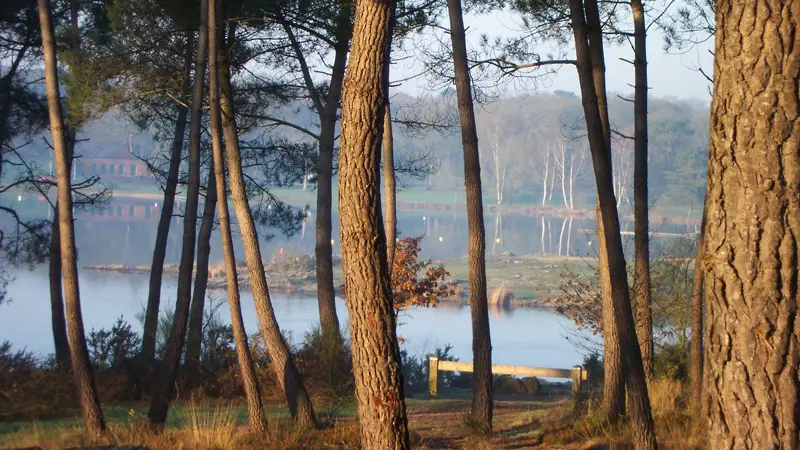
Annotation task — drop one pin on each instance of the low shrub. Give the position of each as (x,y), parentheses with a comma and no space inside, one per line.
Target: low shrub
(31,388)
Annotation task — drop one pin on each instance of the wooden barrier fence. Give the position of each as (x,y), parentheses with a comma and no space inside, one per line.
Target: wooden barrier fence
(577,374)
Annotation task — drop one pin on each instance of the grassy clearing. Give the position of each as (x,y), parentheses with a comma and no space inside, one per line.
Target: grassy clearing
(190,425)
(522,423)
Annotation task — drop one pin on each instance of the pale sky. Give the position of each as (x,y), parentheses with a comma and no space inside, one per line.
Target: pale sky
(670,75)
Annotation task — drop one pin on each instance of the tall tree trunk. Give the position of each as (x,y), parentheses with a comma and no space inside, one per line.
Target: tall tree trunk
(614,381)
(643,427)
(164,221)
(56,296)
(326,292)
(58,319)
(376,354)
(697,320)
(387,151)
(157,414)
(79,353)
(256,417)
(546,172)
(195,334)
(481,340)
(641,225)
(286,372)
(753,227)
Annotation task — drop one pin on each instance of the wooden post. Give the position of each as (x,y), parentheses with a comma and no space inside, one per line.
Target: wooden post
(577,378)
(433,376)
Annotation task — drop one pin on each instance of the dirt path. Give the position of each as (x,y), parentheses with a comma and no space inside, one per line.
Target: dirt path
(517,424)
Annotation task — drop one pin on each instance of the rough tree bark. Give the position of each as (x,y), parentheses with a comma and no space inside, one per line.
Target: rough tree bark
(164,221)
(79,353)
(482,403)
(376,355)
(159,406)
(194,338)
(58,320)
(286,372)
(697,320)
(256,417)
(641,221)
(643,427)
(753,226)
(614,381)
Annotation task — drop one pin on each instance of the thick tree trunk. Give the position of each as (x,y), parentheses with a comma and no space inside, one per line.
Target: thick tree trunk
(286,372)
(164,221)
(157,414)
(481,341)
(376,355)
(753,227)
(641,225)
(79,353)
(643,427)
(195,334)
(614,381)
(697,320)
(256,417)
(326,292)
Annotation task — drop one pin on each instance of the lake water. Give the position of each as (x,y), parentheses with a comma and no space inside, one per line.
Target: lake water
(519,336)
(124,233)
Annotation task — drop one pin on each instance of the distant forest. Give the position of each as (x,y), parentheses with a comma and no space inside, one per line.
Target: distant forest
(533,148)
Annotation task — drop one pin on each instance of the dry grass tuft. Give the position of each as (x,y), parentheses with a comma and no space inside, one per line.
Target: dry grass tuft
(676,428)
(202,426)
(210,426)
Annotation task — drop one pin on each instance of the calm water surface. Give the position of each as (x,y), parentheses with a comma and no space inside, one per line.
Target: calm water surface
(520,336)
(125,232)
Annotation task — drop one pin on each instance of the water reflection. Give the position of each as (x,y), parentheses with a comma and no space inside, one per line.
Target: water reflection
(519,336)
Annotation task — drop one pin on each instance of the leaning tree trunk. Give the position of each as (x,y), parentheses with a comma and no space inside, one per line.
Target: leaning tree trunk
(614,381)
(697,320)
(256,417)
(641,221)
(79,353)
(57,318)
(157,414)
(56,295)
(481,340)
(194,338)
(376,356)
(753,228)
(643,426)
(286,371)
(164,221)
